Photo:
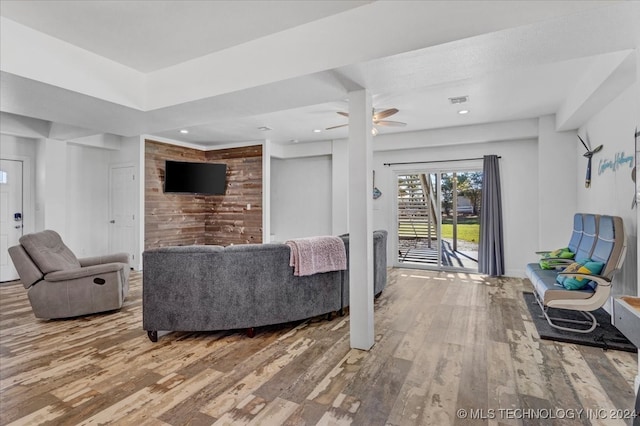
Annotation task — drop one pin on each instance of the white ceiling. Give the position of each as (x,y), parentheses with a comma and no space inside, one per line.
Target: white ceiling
(222,69)
(150,35)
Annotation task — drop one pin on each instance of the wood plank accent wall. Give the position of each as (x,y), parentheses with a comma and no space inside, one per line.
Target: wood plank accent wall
(184,219)
(230,221)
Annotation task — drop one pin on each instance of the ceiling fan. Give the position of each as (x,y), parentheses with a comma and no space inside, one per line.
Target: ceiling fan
(589,155)
(378,118)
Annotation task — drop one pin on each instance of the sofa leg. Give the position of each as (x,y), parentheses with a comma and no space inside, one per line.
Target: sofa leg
(153,335)
(341,312)
(329,316)
(251,332)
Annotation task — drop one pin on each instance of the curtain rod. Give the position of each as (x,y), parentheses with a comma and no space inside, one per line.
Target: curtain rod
(437,161)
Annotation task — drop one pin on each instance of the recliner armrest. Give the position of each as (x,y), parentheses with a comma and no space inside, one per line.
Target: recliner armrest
(73,274)
(110,258)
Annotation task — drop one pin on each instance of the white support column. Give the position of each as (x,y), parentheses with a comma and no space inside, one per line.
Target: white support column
(360,220)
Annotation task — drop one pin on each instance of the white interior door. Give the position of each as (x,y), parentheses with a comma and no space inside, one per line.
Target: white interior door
(10,214)
(123,211)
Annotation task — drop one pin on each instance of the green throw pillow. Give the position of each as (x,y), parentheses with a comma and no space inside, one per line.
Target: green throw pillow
(574,283)
(562,253)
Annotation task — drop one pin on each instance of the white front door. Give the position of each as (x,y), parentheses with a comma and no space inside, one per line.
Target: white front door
(10,214)
(122,211)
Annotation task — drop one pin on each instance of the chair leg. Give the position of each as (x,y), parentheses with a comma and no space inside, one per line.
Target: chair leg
(591,322)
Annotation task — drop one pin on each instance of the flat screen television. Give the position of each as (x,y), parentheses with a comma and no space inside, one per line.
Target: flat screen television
(195,178)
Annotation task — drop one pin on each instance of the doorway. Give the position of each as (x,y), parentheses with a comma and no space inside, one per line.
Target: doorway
(11,214)
(438,218)
(122,210)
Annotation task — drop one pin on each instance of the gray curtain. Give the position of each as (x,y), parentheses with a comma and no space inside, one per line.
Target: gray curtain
(491,250)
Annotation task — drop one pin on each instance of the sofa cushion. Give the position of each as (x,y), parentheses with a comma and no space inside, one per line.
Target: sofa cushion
(562,253)
(575,283)
(571,268)
(544,282)
(48,251)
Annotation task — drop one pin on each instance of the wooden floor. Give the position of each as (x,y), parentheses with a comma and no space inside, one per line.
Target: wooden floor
(448,345)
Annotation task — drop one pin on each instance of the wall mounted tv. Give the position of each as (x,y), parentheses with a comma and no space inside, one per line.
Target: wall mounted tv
(195,178)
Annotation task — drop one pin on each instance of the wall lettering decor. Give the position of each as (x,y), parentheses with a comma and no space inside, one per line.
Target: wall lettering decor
(615,163)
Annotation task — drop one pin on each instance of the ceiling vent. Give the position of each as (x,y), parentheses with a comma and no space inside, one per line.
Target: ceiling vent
(459,99)
(264,128)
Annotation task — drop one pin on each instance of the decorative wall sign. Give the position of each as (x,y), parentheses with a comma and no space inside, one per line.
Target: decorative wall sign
(615,163)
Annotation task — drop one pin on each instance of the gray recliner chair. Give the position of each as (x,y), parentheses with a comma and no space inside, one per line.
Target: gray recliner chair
(60,285)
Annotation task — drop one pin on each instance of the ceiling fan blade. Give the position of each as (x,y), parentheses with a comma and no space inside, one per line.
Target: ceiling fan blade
(598,149)
(384,114)
(389,123)
(336,127)
(345,114)
(584,144)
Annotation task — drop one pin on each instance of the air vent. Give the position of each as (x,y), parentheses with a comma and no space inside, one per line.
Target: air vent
(459,99)
(264,128)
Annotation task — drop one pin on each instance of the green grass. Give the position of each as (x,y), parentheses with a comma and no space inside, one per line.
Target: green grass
(466,232)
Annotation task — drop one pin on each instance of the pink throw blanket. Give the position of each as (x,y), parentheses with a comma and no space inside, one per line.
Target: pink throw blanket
(315,255)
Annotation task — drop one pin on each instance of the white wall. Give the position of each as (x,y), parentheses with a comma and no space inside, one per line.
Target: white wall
(612,191)
(556,196)
(87,201)
(300,197)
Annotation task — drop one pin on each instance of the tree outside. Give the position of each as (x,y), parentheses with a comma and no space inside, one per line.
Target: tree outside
(469,184)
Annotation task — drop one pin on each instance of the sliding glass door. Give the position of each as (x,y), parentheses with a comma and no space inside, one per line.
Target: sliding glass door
(438,222)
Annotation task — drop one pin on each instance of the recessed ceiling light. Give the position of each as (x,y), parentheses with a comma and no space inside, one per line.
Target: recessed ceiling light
(264,128)
(463,111)
(316,130)
(184,131)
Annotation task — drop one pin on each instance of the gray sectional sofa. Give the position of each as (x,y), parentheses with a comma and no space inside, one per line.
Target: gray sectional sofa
(204,288)
(379,265)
